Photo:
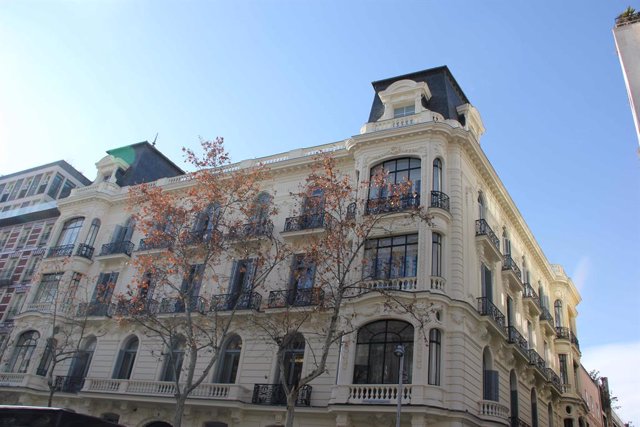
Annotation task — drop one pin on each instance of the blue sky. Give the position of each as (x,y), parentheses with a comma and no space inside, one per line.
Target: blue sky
(80,77)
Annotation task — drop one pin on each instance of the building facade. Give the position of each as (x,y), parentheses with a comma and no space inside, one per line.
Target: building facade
(28,211)
(626,34)
(500,348)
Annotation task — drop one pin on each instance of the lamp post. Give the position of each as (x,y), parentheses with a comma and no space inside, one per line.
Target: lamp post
(399,352)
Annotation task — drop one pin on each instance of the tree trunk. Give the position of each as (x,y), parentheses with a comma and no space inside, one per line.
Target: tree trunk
(52,390)
(180,403)
(52,387)
(291,406)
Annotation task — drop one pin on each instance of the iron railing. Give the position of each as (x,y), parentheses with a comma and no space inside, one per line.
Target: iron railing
(68,384)
(273,394)
(508,264)
(152,243)
(536,360)
(530,293)
(177,305)
(244,301)
(574,339)
(305,222)
(58,251)
(515,337)
(554,379)
(252,229)
(296,298)
(123,247)
(546,315)
(487,308)
(85,251)
(562,333)
(483,229)
(439,200)
(392,204)
(93,309)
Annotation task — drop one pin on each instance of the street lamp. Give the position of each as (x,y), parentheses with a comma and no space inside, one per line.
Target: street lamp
(399,352)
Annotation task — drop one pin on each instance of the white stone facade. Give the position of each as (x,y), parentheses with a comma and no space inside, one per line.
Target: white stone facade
(512,332)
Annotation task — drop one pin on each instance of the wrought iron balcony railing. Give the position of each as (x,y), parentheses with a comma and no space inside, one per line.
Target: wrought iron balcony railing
(273,394)
(536,360)
(546,315)
(59,251)
(562,333)
(483,229)
(530,293)
(177,305)
(150,244)
(252,229)
(487,308)
(515,337)
(439,200)
(124,247)
(228,302)
(508,264)
(67,384)
(554,379)
(392,204)
(85,251)
(93,309)
(305,222)
(574,339)
(296,298)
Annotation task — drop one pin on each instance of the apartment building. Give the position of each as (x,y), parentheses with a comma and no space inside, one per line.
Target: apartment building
(28,211)
(501,347)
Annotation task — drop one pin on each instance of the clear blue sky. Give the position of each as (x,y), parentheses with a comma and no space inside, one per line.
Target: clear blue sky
(80,77)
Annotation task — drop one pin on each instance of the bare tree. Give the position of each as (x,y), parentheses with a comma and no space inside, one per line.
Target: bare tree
(194,233)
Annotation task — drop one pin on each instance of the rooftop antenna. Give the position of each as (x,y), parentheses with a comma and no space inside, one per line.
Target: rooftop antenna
(154,140)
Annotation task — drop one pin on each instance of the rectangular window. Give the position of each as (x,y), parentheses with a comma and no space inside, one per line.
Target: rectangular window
(34,185)
(491,390)
(55,186)
(9,267)
(487,283)
(15,189)
(70,295)
(407,110)
(436,254)
(31,267)
(48,288)
(16,305)
(4,236)
(66,189)
(24,188)
(391,257)
(44,237)
(564,374)
(45,182)
(302,273)
(22,240)
(104,288)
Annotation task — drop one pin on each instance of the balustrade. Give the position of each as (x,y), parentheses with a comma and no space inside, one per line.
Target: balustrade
(378,393)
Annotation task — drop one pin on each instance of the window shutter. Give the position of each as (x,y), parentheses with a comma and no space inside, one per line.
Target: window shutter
(252,266)
(128,230)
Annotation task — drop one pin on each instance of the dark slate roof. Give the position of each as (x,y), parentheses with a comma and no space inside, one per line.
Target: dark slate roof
(146,164)
(446,94)
(64,165)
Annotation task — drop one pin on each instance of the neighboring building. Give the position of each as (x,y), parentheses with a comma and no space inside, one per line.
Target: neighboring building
(28,210)
(502,346)
(627,36)
(590,392)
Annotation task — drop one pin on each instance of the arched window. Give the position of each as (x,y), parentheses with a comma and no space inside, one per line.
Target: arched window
(93,232)
(513,388)
(47,357)
(525,271)
(25,347)
(126,358)
(435,359)
(437,175)
(557,311)
(481,206)
(293,357)
(534,408)
(70,231)
(490,378)
(506,242)
(436,254)
(228,361)
(173,360)
(80,366)
(261,208)
(375,361)
(398,171)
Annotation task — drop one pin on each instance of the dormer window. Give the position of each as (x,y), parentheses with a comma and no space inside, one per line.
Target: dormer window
(407,110)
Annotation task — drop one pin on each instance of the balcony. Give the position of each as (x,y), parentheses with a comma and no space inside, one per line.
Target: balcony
(229,302)
(562,333)
(163,389)
(96,309)
(273,394)
(30,381)
(574,340)
(382,394)
(60,251)
(546,320)
(395,284)
(517,422)
(554,379)
(511,274)
(531,300)
(488,241)
(537,361)
(305,222)
(252,230)
(151,244)
(492,410)
(487,308)
(439,200)
(69,384)
(296,298)
(124,247)
(515,337)
(177,305)
(384,205)
(85,251)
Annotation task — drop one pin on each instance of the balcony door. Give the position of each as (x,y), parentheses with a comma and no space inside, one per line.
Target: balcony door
(293,359)
(80,367)
(241,283)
